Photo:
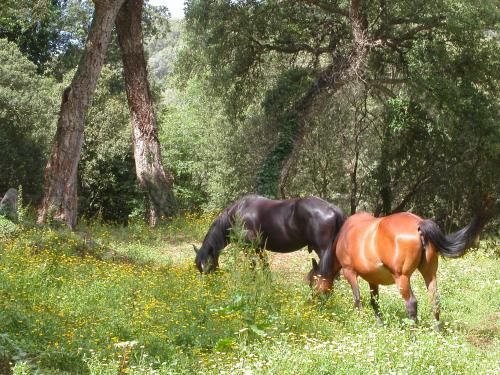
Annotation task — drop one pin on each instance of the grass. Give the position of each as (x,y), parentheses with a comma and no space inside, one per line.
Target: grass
(110,300)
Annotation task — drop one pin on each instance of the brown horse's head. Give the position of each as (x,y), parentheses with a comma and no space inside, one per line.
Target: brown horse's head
(322,284)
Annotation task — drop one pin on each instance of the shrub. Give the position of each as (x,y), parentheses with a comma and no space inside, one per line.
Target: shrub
(7,228)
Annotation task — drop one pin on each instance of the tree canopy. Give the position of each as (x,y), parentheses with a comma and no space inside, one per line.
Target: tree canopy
(429,70)
(375,105)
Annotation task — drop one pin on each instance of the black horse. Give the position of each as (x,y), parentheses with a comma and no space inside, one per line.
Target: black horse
(280,225)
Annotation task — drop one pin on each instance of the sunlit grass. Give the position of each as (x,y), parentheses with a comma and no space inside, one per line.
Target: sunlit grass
(111,299)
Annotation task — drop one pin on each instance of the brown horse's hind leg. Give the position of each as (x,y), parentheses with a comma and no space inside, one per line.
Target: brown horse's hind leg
(431,283)
(433,293)
(374,301)
(428,270)
(352,278)
(403,283)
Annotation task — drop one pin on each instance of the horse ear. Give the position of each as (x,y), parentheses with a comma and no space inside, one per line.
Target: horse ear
(195,249)
(314,264)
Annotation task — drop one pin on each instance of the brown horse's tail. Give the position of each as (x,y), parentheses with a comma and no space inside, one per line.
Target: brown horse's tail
(455,244)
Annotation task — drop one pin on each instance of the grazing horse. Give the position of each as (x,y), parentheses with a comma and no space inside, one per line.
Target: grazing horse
(388,250)
(280,225)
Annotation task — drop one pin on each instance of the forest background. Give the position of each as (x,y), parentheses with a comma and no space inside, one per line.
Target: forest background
(417,131)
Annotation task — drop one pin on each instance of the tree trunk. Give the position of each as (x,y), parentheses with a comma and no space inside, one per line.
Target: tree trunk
(276,166)
(383,177)
(60,195)
(354,179)
(156,184)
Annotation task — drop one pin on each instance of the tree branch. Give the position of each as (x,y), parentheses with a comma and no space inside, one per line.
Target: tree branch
(328,7)
(293,48)
(383,90)
(410,194)
(410,34)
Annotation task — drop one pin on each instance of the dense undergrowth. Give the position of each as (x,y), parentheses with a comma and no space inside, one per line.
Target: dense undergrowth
(109,300)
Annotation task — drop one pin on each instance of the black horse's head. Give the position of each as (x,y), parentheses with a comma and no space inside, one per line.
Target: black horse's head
(207,257)
(205,260)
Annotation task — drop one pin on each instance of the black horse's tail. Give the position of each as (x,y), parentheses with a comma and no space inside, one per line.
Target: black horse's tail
(455,244)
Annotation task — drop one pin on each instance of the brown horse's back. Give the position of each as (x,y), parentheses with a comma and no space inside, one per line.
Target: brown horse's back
(378,249)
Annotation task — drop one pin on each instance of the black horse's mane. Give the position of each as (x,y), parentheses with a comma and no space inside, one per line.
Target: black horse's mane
(216,237)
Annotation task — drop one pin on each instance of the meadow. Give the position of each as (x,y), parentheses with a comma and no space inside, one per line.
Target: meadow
(108,299)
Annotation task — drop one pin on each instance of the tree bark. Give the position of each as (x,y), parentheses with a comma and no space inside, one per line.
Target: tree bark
(354,179)
(383,177)
(60,177)
(156,184)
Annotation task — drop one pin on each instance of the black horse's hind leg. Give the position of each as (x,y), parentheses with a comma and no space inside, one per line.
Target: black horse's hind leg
(374,301)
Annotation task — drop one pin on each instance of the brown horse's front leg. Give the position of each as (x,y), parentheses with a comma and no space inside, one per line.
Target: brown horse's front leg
(352,278)
(374,301)
(403,283)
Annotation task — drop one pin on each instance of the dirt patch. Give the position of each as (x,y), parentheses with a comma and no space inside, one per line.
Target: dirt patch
(298,261)
(5,367)
(485,334)
(178,251)
(292,267)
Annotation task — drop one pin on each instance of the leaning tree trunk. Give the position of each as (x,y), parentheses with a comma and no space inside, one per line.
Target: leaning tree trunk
(274,171)
(276,166)
(60,178)
(149,167)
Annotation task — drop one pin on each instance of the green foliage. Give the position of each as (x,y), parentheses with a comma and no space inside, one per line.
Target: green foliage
(247,44)
(7,228)
(21,368)
(33,25)
(185,136)
(326,163)
(426,141)
(28,105)
(213,160)
(52,33)
(430,133)
(64,308)
(455,77)
(162,49)
(108,187)
(280,107)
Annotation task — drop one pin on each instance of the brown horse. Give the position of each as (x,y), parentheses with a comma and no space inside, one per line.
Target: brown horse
(388,250)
